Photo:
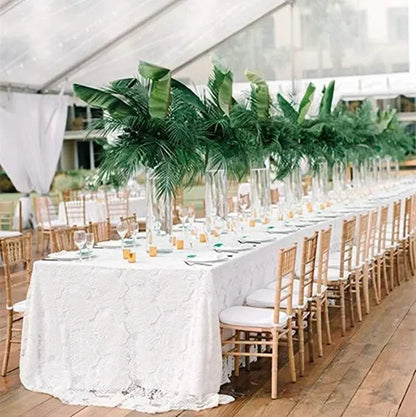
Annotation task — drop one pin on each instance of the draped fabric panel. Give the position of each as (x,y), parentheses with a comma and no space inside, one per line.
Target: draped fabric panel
(31,135)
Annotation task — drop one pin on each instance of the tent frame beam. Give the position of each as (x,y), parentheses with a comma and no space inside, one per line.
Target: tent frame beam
(98,52)
(215,45)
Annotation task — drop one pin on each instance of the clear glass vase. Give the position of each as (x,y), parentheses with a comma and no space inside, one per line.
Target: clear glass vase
(260,192)
(216,204)
(320,183)
(159,218)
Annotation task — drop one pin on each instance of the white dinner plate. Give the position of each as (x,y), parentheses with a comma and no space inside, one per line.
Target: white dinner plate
(229,248)
(69,255)
(208,257)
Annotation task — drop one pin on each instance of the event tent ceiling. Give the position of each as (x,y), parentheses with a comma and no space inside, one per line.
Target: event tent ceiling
(49,44)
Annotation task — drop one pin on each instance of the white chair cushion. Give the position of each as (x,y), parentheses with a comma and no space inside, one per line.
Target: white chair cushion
(251,317)
(20,306)
(53,223)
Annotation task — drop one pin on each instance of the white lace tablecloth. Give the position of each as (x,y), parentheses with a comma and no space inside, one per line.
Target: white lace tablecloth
(141,336)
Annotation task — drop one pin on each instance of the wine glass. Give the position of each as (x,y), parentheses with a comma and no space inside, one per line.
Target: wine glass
(89,243)
(80,239)
(134,231)
(122,230)
(191,216)
(183,216)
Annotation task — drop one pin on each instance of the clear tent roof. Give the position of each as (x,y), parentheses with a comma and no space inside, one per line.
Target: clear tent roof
(49,44)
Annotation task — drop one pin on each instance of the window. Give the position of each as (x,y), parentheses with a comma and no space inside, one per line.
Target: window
(407,104)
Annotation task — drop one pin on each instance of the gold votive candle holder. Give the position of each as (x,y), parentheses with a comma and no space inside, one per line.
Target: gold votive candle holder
(126,253)
(132,257)
(202,237)
(179,243)
(152,251)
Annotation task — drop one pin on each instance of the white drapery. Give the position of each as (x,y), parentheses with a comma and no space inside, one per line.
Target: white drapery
(32,130)
(31,134)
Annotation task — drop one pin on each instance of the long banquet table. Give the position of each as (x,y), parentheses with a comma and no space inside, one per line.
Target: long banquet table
(144,336)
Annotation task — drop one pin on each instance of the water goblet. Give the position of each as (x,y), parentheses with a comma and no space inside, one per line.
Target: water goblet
(122,230)
(89,243)
(79,240)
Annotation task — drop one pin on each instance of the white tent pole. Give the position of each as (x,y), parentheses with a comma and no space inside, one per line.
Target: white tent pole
(94,55)
(206,50)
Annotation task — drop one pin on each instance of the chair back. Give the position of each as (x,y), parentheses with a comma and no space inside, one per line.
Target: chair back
(395,223)
(286,264)
(100,230)
(6,215)
(407,216)
(382,230)
(324,249)
(17,253)
(75,212)
(130,220)
(362,239)
(372,232)
(45,211)
(117,206)
(63,239)
(347,247)
(307,267)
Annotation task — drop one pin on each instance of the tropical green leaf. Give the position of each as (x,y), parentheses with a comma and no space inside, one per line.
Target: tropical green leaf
(287,109)
(159,98)
(225,93)
(102,99)
(326,101)
(306,102)
(260,94)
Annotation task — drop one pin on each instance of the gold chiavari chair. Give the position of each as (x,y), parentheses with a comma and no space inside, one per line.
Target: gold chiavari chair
(339,276)
(130,221)
(405,243)
(412,233)
(254,326)
(371,254)
(392,255)
(70,195)
(63,239)
(17,261)
(6,215)
(302,288)
(46,219)
(360,270)
(75,212)
(100,230)
(318,295)
(117,206)
(380,264)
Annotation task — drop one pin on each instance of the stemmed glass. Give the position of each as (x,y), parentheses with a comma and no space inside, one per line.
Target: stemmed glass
(191,216)
(122,230)
(79,239)
(89,243)
(134,231)
(183,216)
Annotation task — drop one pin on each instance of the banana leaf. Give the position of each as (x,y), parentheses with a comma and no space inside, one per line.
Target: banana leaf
(287,109)
(116,107)
(306,102)
(160,91)
(260,94)
(326,101)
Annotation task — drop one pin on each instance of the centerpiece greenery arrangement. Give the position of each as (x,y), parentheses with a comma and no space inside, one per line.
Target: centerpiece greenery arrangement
(159,123)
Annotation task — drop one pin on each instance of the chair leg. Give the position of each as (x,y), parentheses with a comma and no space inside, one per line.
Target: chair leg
(375,285)
(351,303)
(301,336)
(342,307)
(398,274)
(327,323)
(385,276)
(310,338)
(247,350)
(319,328)
(275,363)
(358,295)
(391,269)
(237,358)
(366,289)
(291,354)
(8,342)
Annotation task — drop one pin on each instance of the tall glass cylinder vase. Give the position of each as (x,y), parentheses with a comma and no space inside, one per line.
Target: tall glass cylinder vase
(293,189)
(216,204)
(260,192)
(320,183)
(159,218)
(339,177)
